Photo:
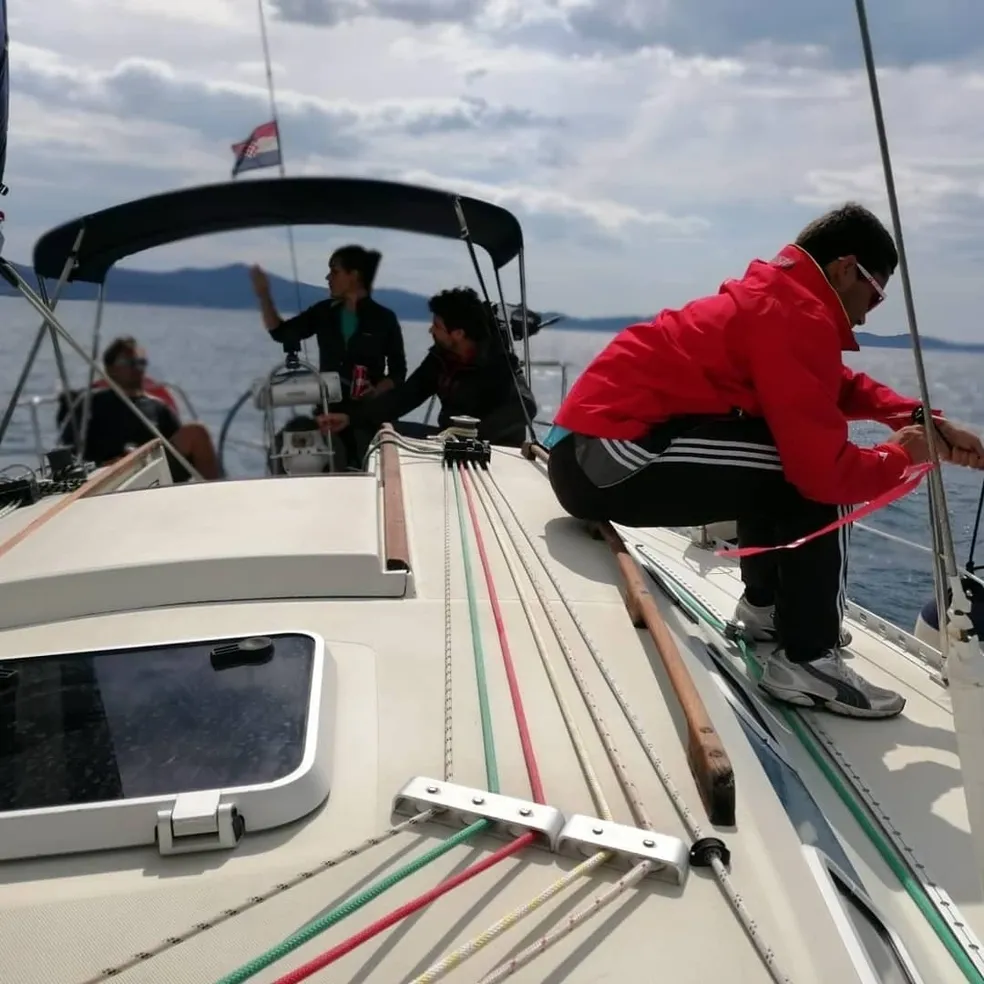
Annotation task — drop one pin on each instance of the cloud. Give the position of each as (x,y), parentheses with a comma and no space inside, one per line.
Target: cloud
(142,88)
(649,148)
(606,214)
(332,12)
(914,32)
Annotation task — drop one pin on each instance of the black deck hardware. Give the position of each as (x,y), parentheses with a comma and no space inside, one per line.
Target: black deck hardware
(467,450)
(18,492)
(246,652)
(703,851)
(67,474)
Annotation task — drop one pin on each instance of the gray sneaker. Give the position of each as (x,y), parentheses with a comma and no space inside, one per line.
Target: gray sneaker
(760,624)
(830,683)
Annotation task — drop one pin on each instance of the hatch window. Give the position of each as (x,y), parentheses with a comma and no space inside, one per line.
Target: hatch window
(876,951)
(142,725)
(802,809)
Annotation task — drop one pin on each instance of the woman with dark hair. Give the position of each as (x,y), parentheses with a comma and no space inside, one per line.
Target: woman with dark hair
(358,338)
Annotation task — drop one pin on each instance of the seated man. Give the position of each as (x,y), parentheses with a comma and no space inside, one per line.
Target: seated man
(113,428)
(737,407)
(151,387)
(468,368)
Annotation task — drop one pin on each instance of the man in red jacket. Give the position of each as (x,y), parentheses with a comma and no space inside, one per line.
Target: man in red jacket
(737,406)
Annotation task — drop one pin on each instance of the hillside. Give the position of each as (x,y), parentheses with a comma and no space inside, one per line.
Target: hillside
(228,287)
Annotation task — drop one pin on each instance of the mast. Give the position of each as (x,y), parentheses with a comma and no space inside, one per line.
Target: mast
(271,91)
(963,661)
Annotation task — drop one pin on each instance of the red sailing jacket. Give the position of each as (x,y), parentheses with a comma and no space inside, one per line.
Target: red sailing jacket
(769,344)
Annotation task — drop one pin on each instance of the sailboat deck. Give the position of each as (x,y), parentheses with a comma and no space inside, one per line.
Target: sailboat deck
(909,765)
(93,912)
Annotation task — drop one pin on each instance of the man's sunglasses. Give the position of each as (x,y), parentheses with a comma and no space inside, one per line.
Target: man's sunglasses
(129,363)
(879,294)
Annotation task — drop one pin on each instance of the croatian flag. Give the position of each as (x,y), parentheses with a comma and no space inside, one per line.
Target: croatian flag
(260,149)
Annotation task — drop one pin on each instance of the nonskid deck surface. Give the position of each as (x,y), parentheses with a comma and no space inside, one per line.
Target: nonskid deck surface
(909,765)
(75,919)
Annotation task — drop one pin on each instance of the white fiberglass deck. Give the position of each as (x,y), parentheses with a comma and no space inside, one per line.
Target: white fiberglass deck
(910,765)
(182,544)
(71,919)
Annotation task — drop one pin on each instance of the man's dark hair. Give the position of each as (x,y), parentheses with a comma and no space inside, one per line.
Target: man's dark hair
(850,230)
(119,346)
(461,309)
(365,262)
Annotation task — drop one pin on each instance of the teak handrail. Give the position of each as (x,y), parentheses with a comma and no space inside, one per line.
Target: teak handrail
(91,486)
(395,546)
(708,759)
(709,762)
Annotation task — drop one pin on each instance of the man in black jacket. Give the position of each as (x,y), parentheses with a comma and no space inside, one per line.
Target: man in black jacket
(468,368)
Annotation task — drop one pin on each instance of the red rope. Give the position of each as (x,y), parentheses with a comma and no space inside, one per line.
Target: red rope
(910,479)
(522,725)
(330,956)
(533,771)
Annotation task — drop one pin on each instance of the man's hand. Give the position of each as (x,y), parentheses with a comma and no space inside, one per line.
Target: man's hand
(260,282)
(383,386)
(965,447)
(332,423)
(912,440)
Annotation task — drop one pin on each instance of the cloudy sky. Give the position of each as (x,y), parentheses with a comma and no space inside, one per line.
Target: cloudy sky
(649,147)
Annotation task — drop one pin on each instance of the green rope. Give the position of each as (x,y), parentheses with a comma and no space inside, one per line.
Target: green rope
(491,768)
(349,906)
(884,846)
(340,912)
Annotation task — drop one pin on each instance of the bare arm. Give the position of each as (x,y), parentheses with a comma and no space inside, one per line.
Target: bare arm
(270,315)
(261,287)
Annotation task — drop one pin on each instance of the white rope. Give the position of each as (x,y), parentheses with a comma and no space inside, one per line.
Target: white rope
(721,874)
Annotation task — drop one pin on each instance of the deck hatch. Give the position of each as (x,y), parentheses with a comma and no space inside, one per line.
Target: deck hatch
(112,748)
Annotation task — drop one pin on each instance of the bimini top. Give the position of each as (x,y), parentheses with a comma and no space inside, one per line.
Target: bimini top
(123,230)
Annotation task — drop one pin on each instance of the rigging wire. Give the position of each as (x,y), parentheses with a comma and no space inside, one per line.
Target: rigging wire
(971,566)
(271,91)
(944,556)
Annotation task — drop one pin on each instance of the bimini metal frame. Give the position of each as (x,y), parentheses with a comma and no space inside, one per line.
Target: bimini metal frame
(87,248)
(962,658)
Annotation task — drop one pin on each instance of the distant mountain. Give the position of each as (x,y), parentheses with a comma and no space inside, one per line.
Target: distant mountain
(228,287)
